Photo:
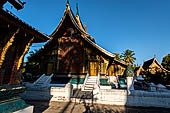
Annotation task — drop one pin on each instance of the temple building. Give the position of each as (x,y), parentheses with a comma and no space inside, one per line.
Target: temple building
(15,39)
(72,52)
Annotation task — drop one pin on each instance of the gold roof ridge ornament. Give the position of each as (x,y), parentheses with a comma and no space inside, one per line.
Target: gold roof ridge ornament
(78,18)
(68,6)
(68,3)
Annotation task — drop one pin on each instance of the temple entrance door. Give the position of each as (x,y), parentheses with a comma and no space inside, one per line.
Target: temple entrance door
(49,68)
(93,68)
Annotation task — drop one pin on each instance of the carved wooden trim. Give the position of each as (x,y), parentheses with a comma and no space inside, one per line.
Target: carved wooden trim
(6,47)
(25,51)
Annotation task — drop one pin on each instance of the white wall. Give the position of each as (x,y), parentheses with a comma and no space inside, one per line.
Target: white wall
(149,99)
(134,98)
(111,96)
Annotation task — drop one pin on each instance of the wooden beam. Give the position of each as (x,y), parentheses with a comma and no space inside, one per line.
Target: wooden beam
(13,20)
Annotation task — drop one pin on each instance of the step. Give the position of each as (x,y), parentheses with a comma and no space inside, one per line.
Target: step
(92,78)
(89,87)
(90,83)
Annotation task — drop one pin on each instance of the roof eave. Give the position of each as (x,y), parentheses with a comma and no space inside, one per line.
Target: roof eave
(12,19)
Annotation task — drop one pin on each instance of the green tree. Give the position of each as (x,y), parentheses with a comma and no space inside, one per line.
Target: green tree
(166,62)
(127,56)
(118,56)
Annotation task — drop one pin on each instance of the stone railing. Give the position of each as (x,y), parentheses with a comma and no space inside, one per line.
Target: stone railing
(98,80)
(87,75)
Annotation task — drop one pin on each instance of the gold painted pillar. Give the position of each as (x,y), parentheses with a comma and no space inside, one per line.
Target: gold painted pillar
(5,47)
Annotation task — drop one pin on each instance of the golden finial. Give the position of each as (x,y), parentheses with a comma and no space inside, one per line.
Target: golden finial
(77,10)
(68,6)
(68,2)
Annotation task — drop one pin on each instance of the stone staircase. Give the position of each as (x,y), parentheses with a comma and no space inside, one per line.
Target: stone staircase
(90,83)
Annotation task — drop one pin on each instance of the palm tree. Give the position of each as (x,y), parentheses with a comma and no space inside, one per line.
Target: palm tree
(127,56)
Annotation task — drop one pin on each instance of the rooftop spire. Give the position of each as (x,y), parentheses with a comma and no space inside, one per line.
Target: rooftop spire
(67,6)
(68,2)
(77,10)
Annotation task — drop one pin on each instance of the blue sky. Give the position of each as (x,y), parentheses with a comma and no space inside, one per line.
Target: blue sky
(139,25)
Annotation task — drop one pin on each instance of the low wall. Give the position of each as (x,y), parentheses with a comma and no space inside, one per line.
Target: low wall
(149,99)
(110,96)
(133,98)
(33,94)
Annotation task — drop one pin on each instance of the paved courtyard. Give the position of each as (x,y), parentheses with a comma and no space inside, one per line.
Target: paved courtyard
(63,107)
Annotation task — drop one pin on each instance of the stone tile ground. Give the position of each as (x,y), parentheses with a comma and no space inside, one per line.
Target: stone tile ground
(63,107)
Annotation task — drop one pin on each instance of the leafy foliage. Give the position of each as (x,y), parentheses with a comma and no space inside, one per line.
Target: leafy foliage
(118,56)
(166,62)
(129,72)
(127,56)
(30,69)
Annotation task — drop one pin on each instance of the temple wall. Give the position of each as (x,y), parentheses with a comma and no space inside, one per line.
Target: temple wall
(70,55)
(116,70)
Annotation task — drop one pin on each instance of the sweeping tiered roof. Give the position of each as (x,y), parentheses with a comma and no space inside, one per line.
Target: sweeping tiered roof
(75,20)
(148,64)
